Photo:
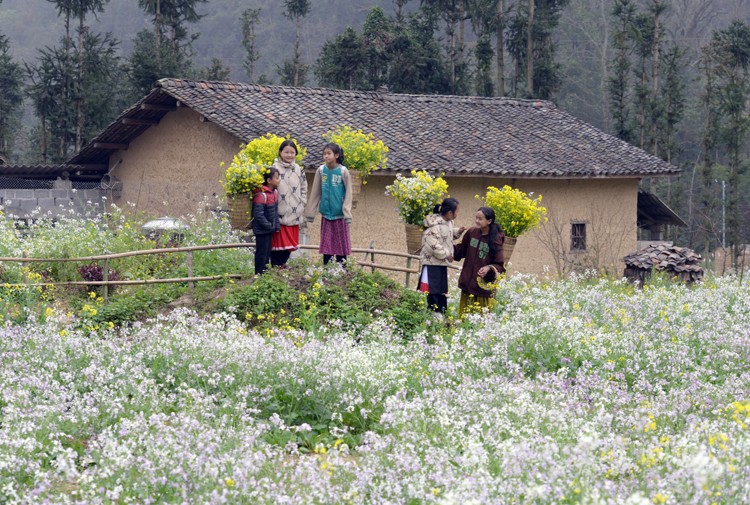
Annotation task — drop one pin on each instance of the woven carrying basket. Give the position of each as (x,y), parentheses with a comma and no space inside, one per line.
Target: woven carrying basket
(413,238)
(508,246)
(356,181)
(240,211)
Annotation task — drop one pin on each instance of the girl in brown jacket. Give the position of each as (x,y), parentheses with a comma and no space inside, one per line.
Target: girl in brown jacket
(481,248)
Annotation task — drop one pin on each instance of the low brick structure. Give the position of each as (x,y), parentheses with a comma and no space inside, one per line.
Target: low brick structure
(52,199)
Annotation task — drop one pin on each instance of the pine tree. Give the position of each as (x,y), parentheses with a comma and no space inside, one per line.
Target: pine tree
(250,18)
(73,95)
(732,72)
(530,44)
(417,65)
(342,62)
(164,51)
(488,20)
(483,54)
(377,36)
(149,62)
(296,10)
(453,14)
(217,71)
(708,102)
(11,97)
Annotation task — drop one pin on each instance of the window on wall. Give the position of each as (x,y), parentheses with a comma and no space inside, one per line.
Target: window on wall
(578,237)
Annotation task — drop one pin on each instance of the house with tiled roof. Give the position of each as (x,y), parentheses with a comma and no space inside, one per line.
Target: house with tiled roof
(165,153)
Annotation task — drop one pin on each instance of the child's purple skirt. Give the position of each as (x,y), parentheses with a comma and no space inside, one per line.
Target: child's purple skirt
(334,237)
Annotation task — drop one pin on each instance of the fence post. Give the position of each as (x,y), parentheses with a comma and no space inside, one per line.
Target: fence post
(372,255)
(408,274)
(24,269)
(105,278)
(191,284)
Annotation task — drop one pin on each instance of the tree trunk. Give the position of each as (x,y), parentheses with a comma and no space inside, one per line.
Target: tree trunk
(530,51)
(500,55)
(604,59)
(297,52)
(452,53)
(79,86)
(461,29)
(655,81)
(157,28)
(65,84)
(43,126)
(707,172)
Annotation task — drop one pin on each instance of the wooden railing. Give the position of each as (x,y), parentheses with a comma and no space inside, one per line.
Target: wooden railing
(369,260)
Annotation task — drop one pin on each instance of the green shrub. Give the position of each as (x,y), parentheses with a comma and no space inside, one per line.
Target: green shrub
(307,297)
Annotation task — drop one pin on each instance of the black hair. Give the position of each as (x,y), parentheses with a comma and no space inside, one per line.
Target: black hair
(495,230)
(449,204)
(337,150)
(271,172)
(288,142)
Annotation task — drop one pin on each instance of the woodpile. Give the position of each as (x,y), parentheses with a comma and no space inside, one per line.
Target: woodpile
(679,262)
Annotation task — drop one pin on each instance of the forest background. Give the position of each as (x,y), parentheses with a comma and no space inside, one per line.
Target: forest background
(669,76)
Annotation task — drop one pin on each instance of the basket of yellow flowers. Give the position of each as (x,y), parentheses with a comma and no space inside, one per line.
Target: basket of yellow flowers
(417,196)
(515,212)
(247,172)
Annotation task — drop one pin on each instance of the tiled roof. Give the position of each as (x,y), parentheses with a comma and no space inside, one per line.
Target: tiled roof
(456,134)
(665,257)
(652,210)
(73,172)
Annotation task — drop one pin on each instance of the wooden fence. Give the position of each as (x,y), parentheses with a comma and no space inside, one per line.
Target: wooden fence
(369,260)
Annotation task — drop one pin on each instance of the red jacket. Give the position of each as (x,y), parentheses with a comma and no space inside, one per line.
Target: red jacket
(266,211)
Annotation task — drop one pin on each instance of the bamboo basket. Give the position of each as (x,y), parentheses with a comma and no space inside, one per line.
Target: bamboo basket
(356,181)
(413,238)
(508,245)
(240,211)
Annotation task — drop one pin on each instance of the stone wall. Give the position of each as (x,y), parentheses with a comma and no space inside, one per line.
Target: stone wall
(52,202)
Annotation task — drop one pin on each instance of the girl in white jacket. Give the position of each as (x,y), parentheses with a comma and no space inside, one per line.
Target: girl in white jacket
(437,253)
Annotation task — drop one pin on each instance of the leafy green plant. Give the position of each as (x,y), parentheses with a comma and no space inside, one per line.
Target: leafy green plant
(302,297)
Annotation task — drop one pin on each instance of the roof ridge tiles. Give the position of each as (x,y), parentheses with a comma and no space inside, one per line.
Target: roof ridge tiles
(167,83)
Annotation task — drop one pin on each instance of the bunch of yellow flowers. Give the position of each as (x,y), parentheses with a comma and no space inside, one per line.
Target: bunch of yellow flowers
(362,153)
(515,212)
(250,166)
(417,195)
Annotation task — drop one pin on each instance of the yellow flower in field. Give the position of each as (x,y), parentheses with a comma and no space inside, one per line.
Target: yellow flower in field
(229,482)
(659,498)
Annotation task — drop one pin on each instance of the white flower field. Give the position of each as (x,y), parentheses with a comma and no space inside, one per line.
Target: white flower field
(581,391)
